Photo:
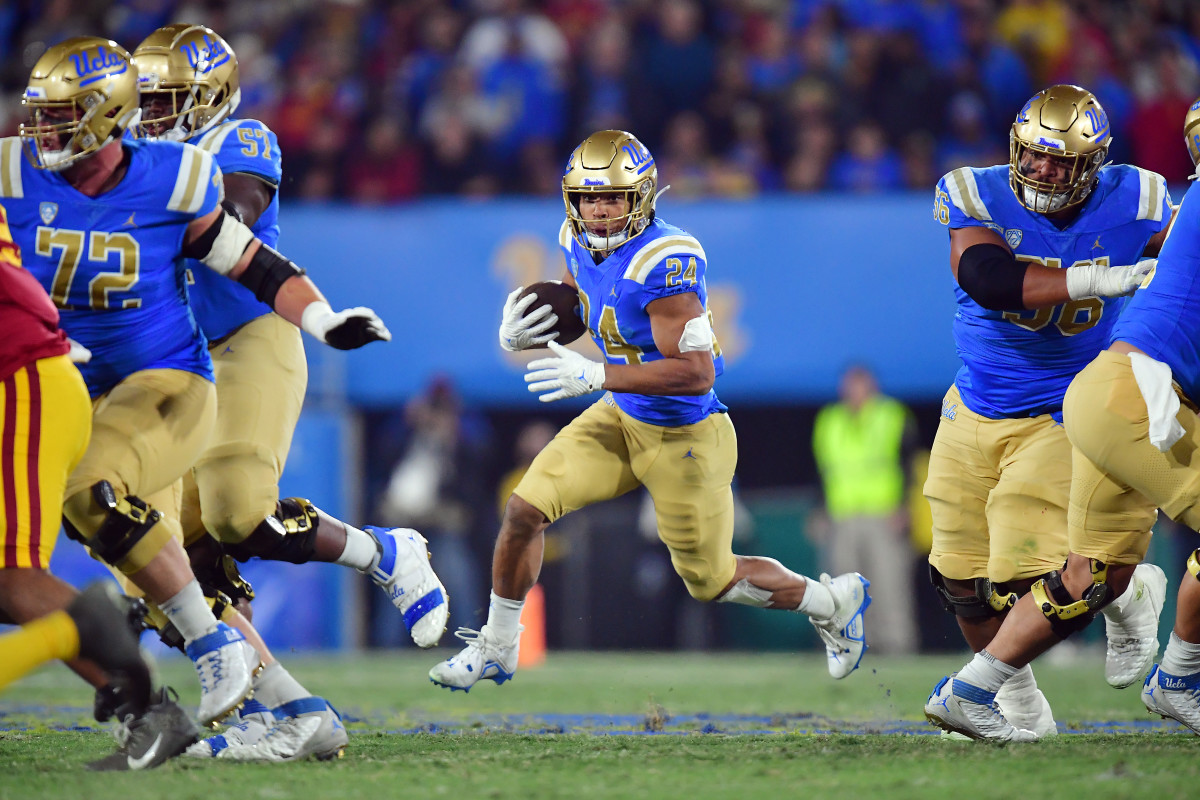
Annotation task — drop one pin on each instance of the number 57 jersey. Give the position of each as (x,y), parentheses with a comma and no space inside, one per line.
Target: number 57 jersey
(1019,363)
(112,263)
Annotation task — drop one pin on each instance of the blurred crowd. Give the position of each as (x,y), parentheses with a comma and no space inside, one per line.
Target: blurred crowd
(382,101)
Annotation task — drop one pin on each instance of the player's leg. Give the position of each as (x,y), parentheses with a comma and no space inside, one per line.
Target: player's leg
(587,461)
(261,376)
(146,433)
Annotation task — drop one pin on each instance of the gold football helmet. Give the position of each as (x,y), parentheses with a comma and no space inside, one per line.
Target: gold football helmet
(1066,122)
(81,95)
(1191,132)
(610,161)
(188,77)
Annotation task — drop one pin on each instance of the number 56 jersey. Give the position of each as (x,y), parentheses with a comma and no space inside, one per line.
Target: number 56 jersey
(1019,363)
(112,263)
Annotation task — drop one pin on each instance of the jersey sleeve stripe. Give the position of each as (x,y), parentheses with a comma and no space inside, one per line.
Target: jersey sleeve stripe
(10,168)
(1150,195)
(214,139)
(564,235)
(964,193)
(644,260)
(188,195)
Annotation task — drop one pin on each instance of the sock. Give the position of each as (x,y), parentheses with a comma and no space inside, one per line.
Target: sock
(361,550)
(34,643)
(276,686)
(504,618)
(817,601)
(190,613)
(1021,681)
(986,672)
(1180,658)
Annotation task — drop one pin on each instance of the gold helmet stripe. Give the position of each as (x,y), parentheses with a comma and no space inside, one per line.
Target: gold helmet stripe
(645,259)
(190,182)
(10,168)
(1150,195)
(964,193)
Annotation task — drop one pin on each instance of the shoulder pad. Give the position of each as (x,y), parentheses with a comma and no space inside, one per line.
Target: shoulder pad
(191,180)
(963,190)
(654,251)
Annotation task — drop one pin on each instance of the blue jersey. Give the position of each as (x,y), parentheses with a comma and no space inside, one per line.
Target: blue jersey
(239,145)
(613,294)
(111,263)
(1163,319)
(1019,363)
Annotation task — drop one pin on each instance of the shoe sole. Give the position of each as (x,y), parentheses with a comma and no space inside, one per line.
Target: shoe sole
(496,680)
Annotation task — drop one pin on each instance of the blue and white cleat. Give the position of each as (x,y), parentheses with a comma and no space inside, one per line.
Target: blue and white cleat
(253,721)
(404,572)
(226,664)
(843,633)
(961,708)
(305,728)
(482,659)
(1174,697)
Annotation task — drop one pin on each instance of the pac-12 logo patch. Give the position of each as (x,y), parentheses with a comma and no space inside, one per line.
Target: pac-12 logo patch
(1013,236)
(48,211)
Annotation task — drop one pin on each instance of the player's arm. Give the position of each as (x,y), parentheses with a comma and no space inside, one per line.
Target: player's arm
(683,336)
(227,246)
(246,197)
(986,269)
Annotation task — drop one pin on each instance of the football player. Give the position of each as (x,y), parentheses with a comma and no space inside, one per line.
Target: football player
(659,423)
(104,224)
(188,81)
(1043,249)
(45,423)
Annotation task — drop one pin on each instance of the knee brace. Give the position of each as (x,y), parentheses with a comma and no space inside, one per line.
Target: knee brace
(986,602)
(288,535)
(1193,564)
(1066,614)
(217,570)
(126,521)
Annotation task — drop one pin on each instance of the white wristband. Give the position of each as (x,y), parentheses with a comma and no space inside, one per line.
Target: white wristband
(315,319)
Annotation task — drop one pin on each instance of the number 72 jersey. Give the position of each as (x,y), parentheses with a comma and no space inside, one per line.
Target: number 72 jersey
(1019,363)
(111,264)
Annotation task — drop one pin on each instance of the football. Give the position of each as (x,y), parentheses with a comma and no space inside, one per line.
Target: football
(564,300)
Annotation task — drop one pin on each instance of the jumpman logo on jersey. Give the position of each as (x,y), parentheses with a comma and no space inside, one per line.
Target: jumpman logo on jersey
(1097,245)
(613,291)
(689,454)
(129,223)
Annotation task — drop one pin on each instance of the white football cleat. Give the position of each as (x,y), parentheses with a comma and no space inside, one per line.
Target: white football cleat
(1027,709)
(404,572)
(305,728)
(961,708)
(226,664)
(1174,697)
(253,721)
(1131,626)
(843,633)
(482,659)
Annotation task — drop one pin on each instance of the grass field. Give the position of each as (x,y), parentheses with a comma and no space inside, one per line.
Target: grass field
(641,726)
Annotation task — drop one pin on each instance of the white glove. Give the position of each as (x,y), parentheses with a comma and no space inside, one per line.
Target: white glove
(1097,280)
(78,354)
(519,330)
(343,330)
(568,373)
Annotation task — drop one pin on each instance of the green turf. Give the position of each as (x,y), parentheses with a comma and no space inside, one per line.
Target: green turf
(490,751)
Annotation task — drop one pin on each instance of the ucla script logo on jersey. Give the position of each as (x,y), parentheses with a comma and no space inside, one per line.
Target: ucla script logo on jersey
(48,211)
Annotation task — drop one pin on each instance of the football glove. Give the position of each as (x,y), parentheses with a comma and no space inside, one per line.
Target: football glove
(567,374)
(519,330)
(343,330)
(78,353)
(1098,280)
